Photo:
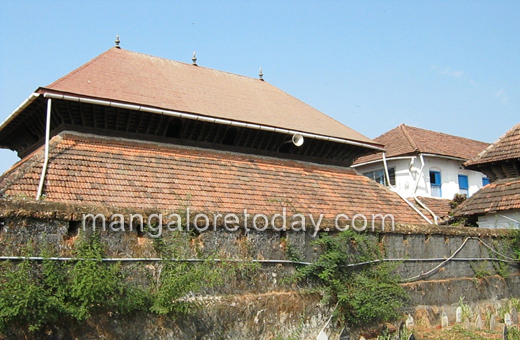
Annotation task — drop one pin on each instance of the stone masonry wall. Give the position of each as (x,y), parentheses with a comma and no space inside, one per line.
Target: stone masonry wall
(267,306)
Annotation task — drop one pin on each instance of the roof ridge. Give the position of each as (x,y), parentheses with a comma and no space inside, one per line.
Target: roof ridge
(493,145)
(191,65)
(447,134)
(408,137)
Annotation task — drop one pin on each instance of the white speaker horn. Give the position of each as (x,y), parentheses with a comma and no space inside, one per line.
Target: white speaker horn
(297,139)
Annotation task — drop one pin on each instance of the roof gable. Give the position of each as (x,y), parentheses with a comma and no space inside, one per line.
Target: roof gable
(407,140)
(506,147)
(130,77)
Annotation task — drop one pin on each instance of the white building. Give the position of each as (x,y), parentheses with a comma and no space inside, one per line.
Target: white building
(498,204)
(426,164)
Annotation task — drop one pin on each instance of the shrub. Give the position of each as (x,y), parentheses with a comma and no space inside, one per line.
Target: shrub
(364,294)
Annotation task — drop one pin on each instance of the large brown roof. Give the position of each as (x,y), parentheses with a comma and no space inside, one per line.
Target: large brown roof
(501,195)
(129,77)
(135,174)
(506,147)
(407,140)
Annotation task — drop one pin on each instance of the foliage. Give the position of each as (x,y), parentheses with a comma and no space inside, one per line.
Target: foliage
(24,299)
(481,269)
(514,333)
(457,200)
(365,294)
(467,313)
(33,294)
(515,242)
(178,281)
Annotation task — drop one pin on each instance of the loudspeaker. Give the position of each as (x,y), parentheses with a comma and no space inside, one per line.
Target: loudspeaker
(297,139)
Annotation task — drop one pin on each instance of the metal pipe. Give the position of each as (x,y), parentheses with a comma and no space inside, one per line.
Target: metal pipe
(508,218)
(158,259)
(416,185)
(414,207)
(386,171)
(208,119)
(435,218)
(380,160)
(47,137)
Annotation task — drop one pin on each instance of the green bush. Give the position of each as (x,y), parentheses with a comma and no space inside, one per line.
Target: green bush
(34,294)
(364,294)
(515,242)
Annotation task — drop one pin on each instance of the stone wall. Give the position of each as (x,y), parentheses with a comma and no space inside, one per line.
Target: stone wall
(266,306)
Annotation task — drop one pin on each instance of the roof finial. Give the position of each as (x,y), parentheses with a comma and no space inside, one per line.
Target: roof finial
(261,75)
(117,41)
(194,59)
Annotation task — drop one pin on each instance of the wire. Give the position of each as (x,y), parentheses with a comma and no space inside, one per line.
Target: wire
(423,275)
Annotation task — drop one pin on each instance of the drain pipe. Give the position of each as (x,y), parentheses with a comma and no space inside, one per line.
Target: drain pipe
(435,218)
(416,186)
(386,170)
(414,208)
(47,137)
(397,192)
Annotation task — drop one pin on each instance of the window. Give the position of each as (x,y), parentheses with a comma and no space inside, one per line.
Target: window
(379,176)
(435,183)
(463,185)
(485,181)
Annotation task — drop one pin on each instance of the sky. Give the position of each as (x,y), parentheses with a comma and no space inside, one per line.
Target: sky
(447,66)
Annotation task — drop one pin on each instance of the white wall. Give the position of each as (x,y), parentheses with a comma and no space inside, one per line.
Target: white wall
(407,170)
(501,220)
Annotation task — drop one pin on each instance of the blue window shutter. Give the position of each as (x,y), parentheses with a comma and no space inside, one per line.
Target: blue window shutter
(485,181)
(463,182)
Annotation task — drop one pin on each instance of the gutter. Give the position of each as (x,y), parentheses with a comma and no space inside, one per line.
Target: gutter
(447,157)
(21,107)
(208,119)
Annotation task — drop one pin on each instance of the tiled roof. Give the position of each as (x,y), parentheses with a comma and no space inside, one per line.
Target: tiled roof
(501,195)
(505,148)
(406,140)
(440,206)
(136,174)
(129,77)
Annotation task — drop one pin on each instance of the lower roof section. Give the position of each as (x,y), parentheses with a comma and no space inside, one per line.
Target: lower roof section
(498,196)
(439,206)
(135,174)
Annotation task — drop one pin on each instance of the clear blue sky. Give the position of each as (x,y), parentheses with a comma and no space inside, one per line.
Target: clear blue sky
(448,66)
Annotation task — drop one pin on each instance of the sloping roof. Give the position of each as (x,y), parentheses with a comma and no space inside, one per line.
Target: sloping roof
(407,140)
(440,206)
(501,195)
(505,148)
(125,173)
(129,77)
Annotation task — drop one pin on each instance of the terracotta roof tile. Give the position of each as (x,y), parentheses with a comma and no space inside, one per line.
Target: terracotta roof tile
(501,195)
(130,77)
(440,206)
(406,140)
(505,148)
(124,173)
